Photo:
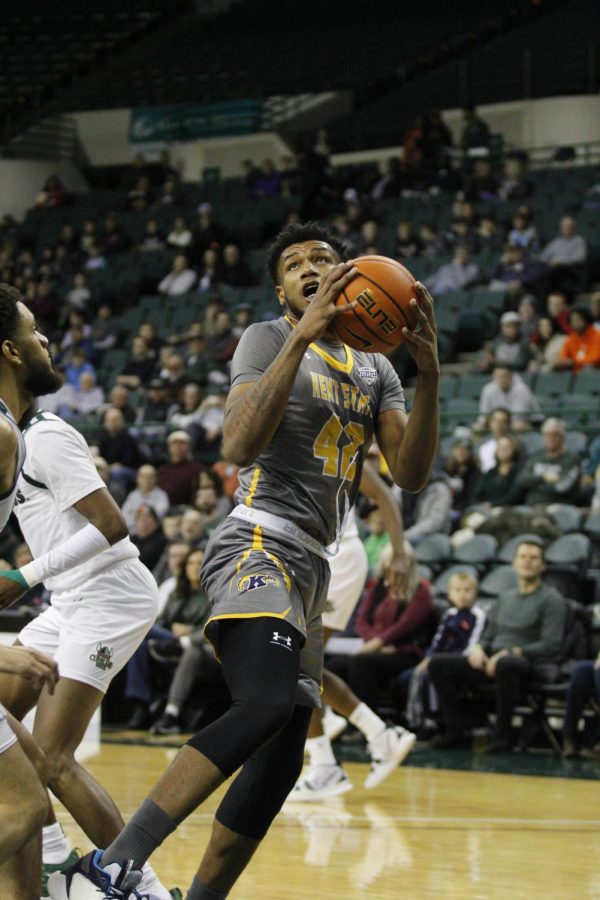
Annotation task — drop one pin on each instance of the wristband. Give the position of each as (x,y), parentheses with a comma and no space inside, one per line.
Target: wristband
(16,576)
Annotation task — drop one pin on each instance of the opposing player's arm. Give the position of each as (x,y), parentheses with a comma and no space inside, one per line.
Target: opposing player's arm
(8,455)
(409,447)
(373,486)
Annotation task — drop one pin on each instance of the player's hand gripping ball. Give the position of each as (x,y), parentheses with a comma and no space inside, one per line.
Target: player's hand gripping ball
(383,290)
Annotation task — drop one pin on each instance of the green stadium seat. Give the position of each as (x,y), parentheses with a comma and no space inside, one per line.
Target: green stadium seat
(551,384)
(587,381)
(470,384)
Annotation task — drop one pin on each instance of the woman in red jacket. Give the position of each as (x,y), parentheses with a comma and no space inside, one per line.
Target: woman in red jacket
(395,630)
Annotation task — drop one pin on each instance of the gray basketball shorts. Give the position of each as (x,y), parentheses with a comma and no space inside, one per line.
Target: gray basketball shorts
(248,573)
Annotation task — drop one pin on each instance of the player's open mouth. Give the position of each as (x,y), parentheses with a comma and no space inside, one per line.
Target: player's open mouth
(310,289)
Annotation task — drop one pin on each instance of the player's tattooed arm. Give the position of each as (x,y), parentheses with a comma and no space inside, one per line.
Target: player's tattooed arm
(254,410)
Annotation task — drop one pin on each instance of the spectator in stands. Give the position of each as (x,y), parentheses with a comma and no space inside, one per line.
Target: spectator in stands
(208,232)
(590,477)
(584,685)
(180,235)
(221,346)
(234,270)
(180,280)
(476,132)
(79,296)
(367,237)
(390,182)
(523,232)
(157,405)
(498,424)
(508,391)
(208,432)
(147,331)
(96,259)
(187,412)
(52,194)
(547,342)
(139,368)
(210,502)
(116,489)
(408,245)
(515,184)
(78,334)
(228,473)
(487,235)
(436,141)
(45,305)
(459,630)
(120,398)
(460,233)
(166,577)
(169,193)
(77,364)
(529,319)
(89,397)
(557,304)
(186,611)
(517,272)
(178,476)
(462,467)
(432,245)
(582,346)
(429,511)
(481,186)
(498,486)
(552,475)
(509,348)
(210,271)
(457,275)
(566,256)
(242,318)
(522,639)
(146,493)
(290,176)
(119,448)
(113,238)
(140,197)
(173,374)
(412,149)
(198,364)
(89,236)
(268,183)
(104,332)
(148,535)
(395,630)
(153,238)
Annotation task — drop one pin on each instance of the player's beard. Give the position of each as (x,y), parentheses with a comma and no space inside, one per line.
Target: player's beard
(42,379)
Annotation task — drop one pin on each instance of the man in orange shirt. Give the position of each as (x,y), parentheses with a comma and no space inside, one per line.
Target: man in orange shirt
(582,346)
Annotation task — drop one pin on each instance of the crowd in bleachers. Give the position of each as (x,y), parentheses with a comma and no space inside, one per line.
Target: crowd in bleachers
(145,291)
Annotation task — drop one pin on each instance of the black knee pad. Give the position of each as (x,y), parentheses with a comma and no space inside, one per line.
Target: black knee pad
(260,790)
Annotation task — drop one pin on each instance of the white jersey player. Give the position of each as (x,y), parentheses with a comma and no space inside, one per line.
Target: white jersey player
(103,603)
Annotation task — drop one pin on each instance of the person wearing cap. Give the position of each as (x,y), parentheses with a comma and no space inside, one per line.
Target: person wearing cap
(509,348)
(508,390)
(582,346)
(178,476)
(158,403)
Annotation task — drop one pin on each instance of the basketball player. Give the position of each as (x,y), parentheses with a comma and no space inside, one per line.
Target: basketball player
(25,369)
(388,747)
(301,413)
(103,603)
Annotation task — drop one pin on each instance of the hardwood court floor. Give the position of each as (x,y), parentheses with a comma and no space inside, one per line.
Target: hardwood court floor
(424,833)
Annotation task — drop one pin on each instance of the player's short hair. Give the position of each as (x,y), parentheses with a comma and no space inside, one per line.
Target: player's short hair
(462,578)
(298,234)
(9,314)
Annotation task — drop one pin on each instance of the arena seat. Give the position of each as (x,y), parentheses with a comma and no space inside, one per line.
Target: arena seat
(434,550)
(567,517)
(479,551)
(501,578)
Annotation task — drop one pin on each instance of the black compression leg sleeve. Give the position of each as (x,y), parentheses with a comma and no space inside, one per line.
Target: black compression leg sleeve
(259,791)
(261,664)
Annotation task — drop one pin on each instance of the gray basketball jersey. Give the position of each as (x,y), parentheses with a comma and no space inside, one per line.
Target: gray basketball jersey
(7,500)
(311,470)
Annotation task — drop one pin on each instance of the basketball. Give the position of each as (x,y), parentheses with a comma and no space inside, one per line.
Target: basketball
(383,289)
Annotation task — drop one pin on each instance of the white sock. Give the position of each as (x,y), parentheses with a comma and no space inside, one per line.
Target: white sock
(55,846)
(185,641)
(367,721)
(150,884)
(320,752)
(171,709)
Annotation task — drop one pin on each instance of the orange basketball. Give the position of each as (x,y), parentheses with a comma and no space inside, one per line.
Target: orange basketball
(383,289)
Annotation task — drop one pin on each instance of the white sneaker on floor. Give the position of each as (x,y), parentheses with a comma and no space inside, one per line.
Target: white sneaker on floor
(387,752)
(320,783)
(333,725)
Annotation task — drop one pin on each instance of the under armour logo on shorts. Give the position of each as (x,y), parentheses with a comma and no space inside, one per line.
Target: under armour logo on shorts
(281,640)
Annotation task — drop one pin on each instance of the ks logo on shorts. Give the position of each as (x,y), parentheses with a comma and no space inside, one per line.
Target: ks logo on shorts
(254,582)
(102,657)
(368,374)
